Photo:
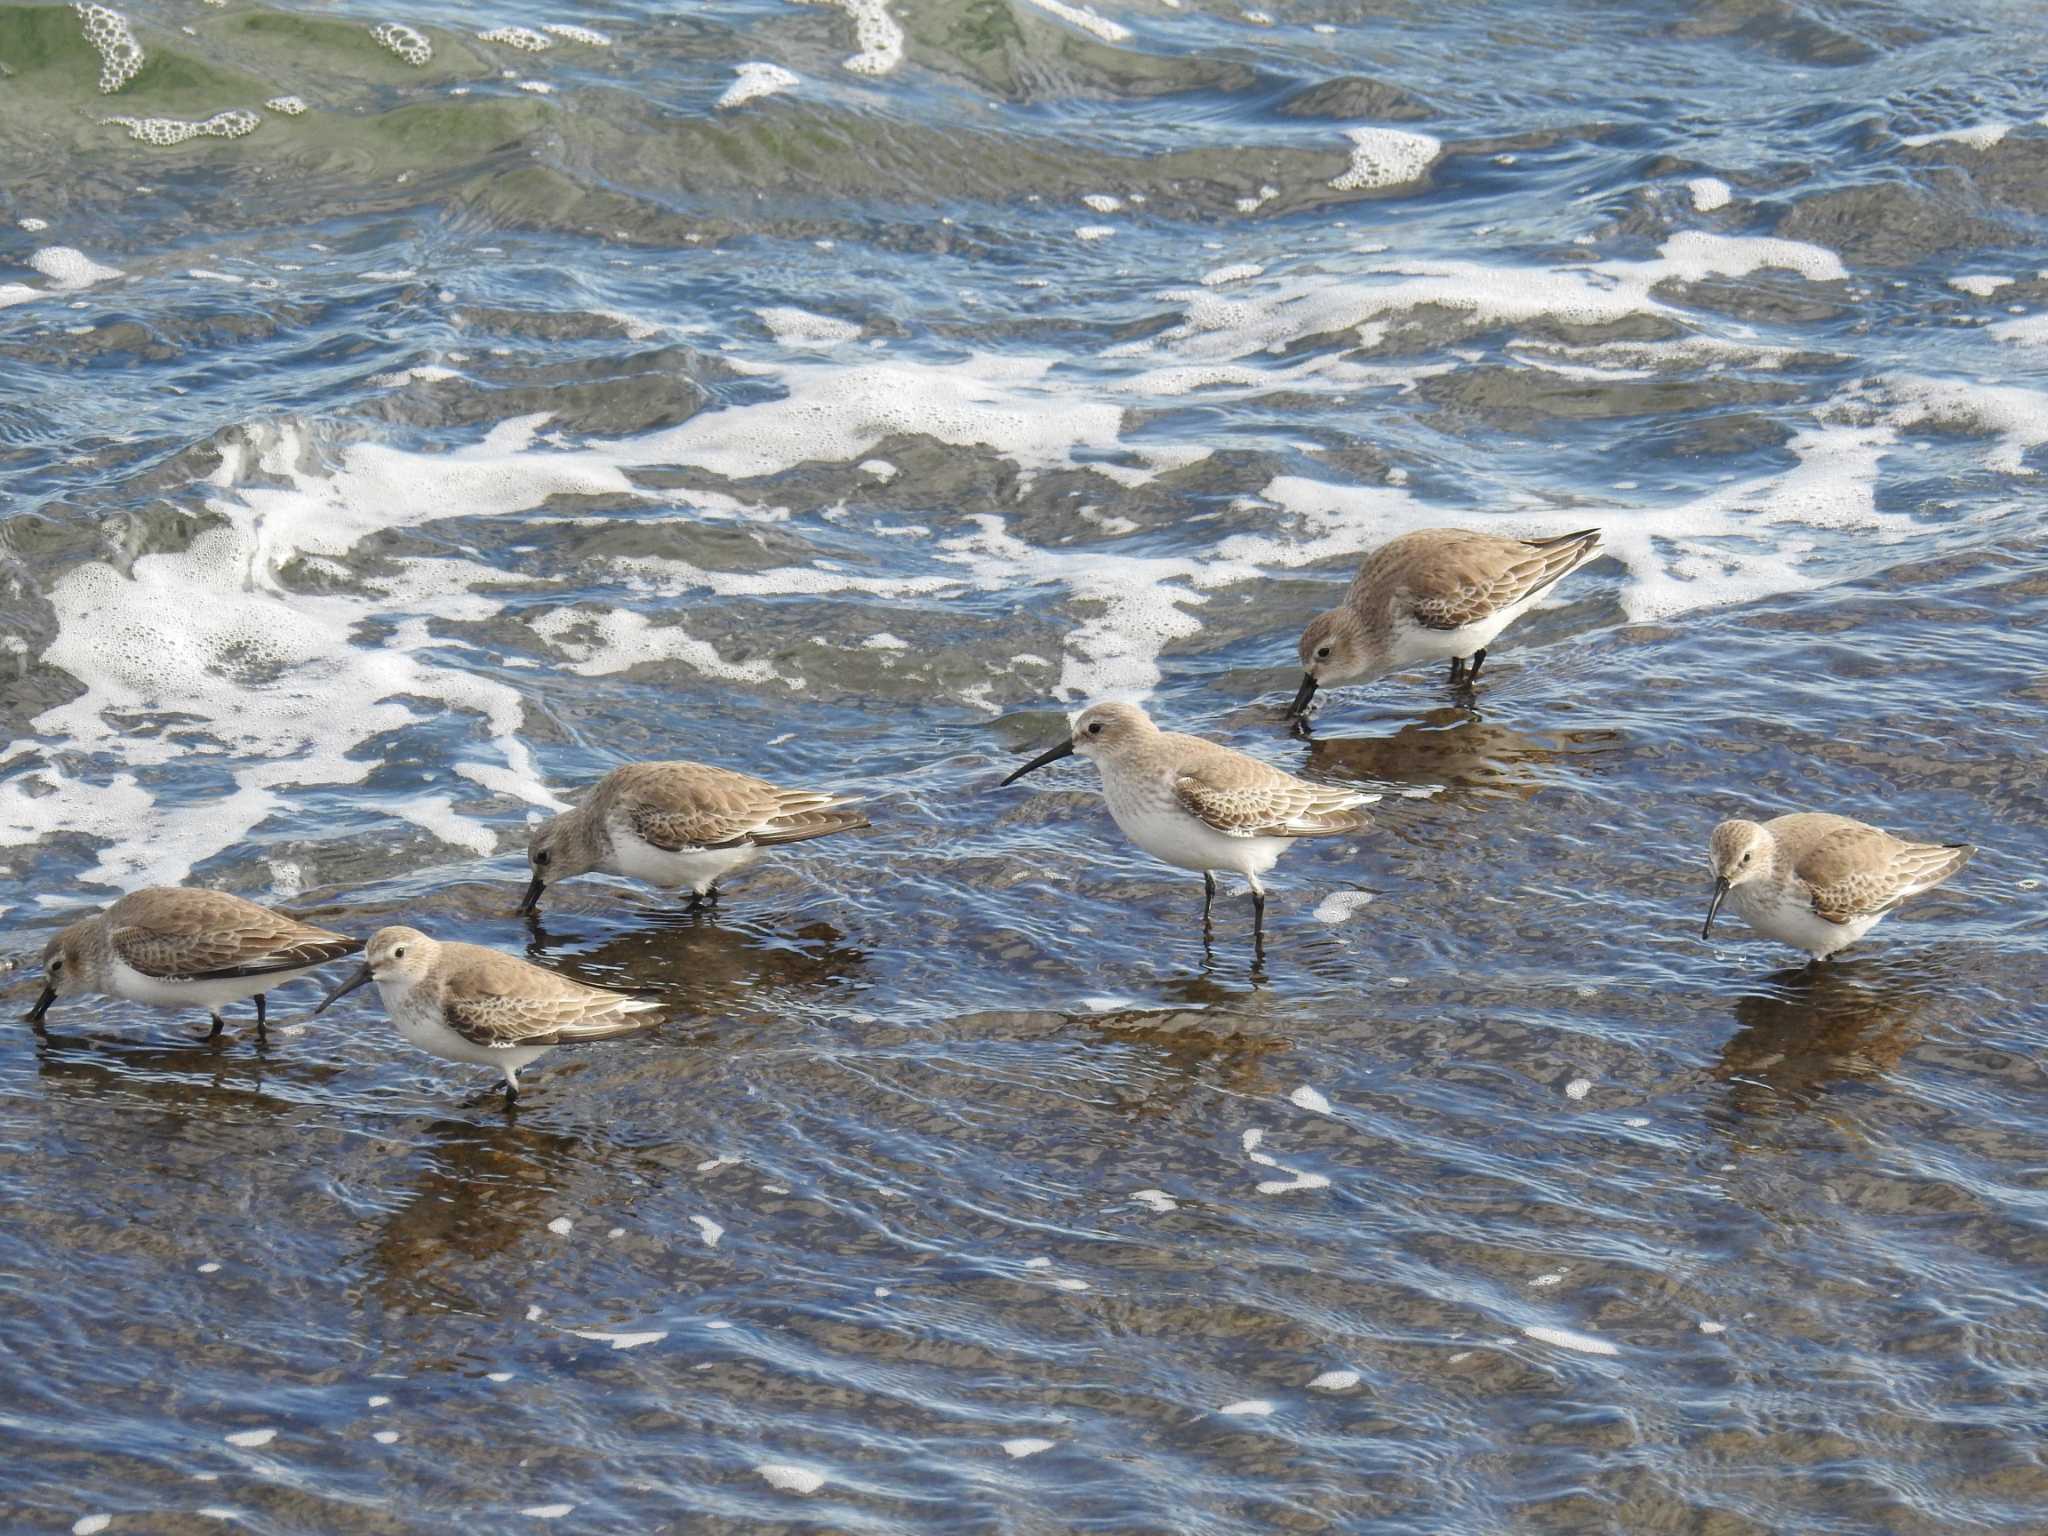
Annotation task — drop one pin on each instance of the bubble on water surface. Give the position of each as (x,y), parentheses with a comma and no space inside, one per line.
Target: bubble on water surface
(790,1478)
(121,56)
(410,45)
(165,132)
(754,80)
(1019,1448)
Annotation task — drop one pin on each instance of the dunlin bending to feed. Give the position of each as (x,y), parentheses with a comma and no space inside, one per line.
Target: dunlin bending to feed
(177,948)
(1198,805)
(1432,594)
(465,1003)
(1820,882)
(678,824)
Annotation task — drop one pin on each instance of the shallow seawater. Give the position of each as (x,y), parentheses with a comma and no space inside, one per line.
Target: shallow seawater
(377,474)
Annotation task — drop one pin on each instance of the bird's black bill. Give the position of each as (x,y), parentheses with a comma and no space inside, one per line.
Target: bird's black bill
(532,897)
(1308,691)
(1049,755)
(35,1014)
(1714,906)
(357,980)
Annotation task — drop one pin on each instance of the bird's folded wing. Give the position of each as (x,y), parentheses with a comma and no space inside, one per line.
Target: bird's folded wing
(246,946)
(1241,803)
(1859,871)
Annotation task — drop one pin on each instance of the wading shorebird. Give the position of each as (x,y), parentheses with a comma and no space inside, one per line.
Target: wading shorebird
(179,948)
(1198,805)
(677,825)
(465,1003)
(1820,882)
(1433,594)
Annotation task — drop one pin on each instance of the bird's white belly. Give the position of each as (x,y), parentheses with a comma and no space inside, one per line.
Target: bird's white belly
(1790,919)
(696,868)
(1175,836)
(1413,644)
(138,988)
(419,1021)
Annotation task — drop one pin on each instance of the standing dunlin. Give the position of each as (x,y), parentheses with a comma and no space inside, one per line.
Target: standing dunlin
(178,948)
(465,1003)
(677,824)
(1820,882)
(1432,594)
(1195,804)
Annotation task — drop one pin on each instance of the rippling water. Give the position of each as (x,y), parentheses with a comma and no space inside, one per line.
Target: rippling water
(377,474)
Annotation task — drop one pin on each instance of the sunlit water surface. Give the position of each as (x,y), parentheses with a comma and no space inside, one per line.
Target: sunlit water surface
(378,474)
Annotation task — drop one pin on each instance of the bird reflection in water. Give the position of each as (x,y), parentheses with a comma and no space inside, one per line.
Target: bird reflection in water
(711,964)
(1807,1028)
(1457,749)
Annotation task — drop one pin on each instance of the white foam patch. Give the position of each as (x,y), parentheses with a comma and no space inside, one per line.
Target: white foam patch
(547,1511)
(385,1436)
(616,639)
(568,32)
(2030,331)
(1102,202)
(379,1401)
(33,225)
(1564,1338)
(289,106)
(1709,193)
(1253,204)
(70,270)
(524,38)
(1339,906)
(1080,16)
(1981,284)
(875,30)
(409,44)
(1242,271)
(707,1229)
(1976,136)
(1250,1407)
(790,1478)
(2017,417)
(1089,233)
(801,328)
(561,1226)
(1308,1098)
(121,57)
(90,1525)
(1019,1448)
(1578,1088)
(1386,157)
(1157,1201)
(251,1439)
(621,1340)
(1334,1381)
(754,80)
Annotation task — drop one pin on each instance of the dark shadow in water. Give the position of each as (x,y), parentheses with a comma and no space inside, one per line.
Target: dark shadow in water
(1458,749)
(1187,1048)
(702,962)
(483,1186)
(1808,1027)
(173,1075)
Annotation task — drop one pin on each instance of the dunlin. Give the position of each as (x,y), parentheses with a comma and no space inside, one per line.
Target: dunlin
(677,824)
(178,948)
(465,1003)
(1198,805)
(1429,595)
(1820,882)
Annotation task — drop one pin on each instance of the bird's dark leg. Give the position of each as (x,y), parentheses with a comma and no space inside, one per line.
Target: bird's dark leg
(511,1091)
(1478,661)
(712,895)
(1457,671)
(219,1024)
(1258,922)
(696,901)
(1208,897)
(262,1034)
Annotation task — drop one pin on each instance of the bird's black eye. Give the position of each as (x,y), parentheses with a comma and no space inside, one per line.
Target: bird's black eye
(1322,653)
(398,953)
(56,965)
(541,858)
(1095,728)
